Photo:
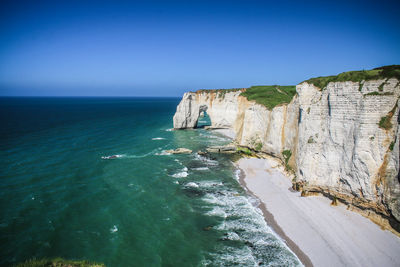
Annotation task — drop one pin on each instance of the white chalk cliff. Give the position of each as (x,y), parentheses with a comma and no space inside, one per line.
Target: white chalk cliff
(337,145)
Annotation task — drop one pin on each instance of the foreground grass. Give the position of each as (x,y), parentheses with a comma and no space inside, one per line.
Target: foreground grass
(58,262)
(385,72)
(270,96)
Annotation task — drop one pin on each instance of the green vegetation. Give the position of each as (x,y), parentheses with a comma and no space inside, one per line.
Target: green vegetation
(392,71)
(377,93)
(385,123)
(219,91)
(310,140)
(58,262)
(380,87)
(223,91)
(258,146)
(270,96)
(286,155)
(360,86)
(391,146)
(244,150)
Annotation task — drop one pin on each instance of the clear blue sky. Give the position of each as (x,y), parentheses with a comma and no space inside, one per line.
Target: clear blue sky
(164,48)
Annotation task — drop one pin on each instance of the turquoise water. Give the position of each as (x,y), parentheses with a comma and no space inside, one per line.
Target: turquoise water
(62,195)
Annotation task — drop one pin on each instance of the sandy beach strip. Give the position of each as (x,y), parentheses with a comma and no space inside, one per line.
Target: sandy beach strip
(319,234)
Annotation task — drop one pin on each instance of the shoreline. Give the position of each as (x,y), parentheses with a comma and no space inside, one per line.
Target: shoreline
(269,218)
(318,233)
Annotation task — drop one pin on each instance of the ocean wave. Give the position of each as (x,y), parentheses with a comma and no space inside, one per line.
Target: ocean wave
(162,153)
(209,184)
(192,184)
(230,256)
(113,156)
(201,169)
(127,156)
(114,229)
(243,221)
(140,156)
(237,174)
(217,211)
(207,161)
(158,138)
(181,174)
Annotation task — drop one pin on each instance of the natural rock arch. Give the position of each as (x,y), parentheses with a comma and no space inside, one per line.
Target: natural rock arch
(222,110)
(203,115)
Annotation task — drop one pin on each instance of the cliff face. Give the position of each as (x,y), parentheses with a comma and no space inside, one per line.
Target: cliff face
(344,149)
(270,131)
(222,108)
(341,141)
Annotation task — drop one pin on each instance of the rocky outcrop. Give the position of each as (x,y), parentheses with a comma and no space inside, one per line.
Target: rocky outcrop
(180,150)
(342,141)
(222,108)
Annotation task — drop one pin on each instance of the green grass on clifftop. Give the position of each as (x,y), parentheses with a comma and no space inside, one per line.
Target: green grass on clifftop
(270,96)
(385,72)
(58,262)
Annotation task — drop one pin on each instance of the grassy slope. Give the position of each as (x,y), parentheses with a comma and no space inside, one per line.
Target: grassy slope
(385,72)
(270,96)
(267,95)
(58,262)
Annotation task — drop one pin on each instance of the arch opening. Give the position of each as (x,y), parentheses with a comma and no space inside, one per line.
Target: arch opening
(203,120)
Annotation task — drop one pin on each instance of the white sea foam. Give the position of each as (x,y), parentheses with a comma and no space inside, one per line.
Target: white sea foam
(125,156)
(215,138)
(158,138)
(113,156)
(201,169)
(209,184)
(229,256)
(180,175)
(162,153)
(217,211)
(237,174)
(207,161)
(139,156)
(243,221)
(192,184)
(114,229)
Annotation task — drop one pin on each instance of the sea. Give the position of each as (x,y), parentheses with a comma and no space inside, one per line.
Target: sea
(90,179)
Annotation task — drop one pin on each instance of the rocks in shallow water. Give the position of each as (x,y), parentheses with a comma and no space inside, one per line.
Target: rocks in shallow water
(193,192)
(208,228)
(180,150)
(222,149)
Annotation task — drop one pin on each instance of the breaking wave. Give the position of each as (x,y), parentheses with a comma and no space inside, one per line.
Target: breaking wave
(158,138)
